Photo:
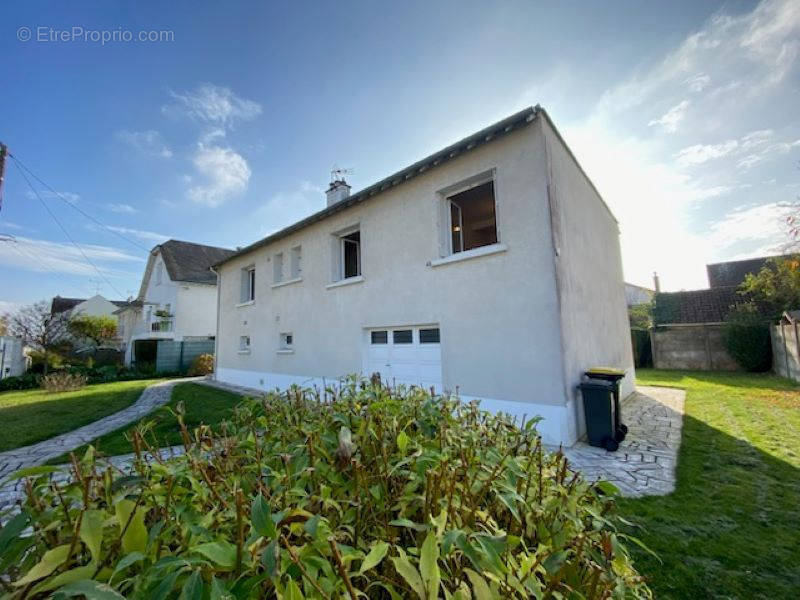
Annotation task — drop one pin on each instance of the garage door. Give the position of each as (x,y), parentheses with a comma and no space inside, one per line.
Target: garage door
(407,355)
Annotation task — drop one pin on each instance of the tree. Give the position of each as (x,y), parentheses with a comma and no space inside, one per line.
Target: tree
(776,287)
(37,327)
(3,324)
(641,316)
(97,329)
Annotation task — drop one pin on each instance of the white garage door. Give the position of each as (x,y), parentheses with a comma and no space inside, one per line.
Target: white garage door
(407,355)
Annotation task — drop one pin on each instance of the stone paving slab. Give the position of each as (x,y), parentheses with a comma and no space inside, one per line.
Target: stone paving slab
(151,398)
(645,462)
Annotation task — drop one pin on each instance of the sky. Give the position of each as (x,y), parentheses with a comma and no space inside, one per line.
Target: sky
(224,125)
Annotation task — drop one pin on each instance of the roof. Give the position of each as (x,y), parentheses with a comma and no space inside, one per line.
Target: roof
(732,273)
(696,306)
(60,304)
(790,316)
(483,136)
(190,262)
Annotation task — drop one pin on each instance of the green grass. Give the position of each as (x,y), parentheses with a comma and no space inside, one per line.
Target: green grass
(202,405)
(732,527)
(30,416)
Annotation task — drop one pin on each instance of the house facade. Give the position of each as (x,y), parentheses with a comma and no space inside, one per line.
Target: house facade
(491,268)
(177,301)
(96,306)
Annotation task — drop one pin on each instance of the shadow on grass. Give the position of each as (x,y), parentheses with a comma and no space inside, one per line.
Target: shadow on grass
(730,529)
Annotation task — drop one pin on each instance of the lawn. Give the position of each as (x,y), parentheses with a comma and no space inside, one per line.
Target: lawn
(202,405)
(31,416)
(732,527)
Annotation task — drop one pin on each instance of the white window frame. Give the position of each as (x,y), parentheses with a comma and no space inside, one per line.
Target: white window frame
(244,344)
(286,342)
(444,196)
(159,272)
(295,262)
(337,257)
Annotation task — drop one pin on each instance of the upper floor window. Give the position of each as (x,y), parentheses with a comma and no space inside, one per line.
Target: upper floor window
(295,268)
(159,273)
(351,254)
(277,268)
(248,284)
(471,215)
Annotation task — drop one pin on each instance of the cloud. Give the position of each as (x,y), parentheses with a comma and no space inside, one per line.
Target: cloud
(8,307)
(669,120)
(225,174)
(212,104)
(698,82)
(149,143)
(700,153)
(10,225)
(759,229)
(50,195)
(140,233)
(126,209)
(46,256)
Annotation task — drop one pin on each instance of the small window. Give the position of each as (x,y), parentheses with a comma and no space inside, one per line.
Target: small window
(277,268)
(402,336)
(295,262)
(379,337)
(472,218)
(159,273)
(429,336)
(351,255)
(287,341)
(244,343)
(248,284)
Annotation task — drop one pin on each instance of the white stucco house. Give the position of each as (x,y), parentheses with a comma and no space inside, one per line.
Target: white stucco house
(491,267)
(96,306)
(177,300)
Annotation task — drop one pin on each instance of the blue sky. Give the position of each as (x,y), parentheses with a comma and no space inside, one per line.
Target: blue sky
(684,114)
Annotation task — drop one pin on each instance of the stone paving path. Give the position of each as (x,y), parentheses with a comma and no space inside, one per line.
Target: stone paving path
(36,454)
(645,462)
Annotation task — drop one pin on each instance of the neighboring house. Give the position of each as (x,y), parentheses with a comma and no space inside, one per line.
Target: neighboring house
(636,294)
(689,330)
(96,306)
(13,360)
(491,268)
(177,302)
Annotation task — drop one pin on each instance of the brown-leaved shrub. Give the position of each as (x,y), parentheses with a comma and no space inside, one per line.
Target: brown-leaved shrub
(202,365)
(63,381)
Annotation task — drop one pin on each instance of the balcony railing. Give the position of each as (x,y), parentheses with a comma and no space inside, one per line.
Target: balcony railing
(161,326)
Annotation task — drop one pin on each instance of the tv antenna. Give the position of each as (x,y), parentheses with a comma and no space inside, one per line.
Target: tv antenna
(338,173)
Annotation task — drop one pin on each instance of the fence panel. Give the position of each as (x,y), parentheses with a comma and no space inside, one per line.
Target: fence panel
(178,356)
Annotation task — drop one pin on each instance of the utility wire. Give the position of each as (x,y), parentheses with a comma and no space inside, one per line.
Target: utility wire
(78,208)
(29,253)
(66,233)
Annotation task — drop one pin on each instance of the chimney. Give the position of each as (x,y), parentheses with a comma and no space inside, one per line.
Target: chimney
(656,282)
(338,191)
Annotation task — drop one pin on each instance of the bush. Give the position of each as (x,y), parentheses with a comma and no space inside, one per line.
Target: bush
(366,491)
(26,381)
(202,365)
(63,381)
(54,361)
(747,338)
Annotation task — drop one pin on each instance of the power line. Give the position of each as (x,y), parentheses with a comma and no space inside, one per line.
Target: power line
(29,253)
(66,233)
(78,208)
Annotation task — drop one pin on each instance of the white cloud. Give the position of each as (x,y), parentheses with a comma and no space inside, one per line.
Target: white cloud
(10,225)
(212,104)
(46,256)
(50,195)
(140,233)
(700,153)
(760,229)
(225,173)
(121,208)
(669,120)
(8,307)
(698,82)
(149,143)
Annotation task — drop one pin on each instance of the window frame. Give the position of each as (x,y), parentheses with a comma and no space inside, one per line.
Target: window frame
(286,342)
(337,256)
(277,268)
(245,344)
(344,241)
(444,196)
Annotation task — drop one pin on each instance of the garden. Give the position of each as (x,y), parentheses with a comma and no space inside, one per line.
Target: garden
(368,491)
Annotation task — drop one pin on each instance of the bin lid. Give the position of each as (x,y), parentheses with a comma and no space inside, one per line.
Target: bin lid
(596,384)
(605,371)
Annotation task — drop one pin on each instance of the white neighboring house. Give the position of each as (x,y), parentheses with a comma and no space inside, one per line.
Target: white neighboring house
(13,360)
(96,306)
(177,299)
(637,294)
(491,267)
